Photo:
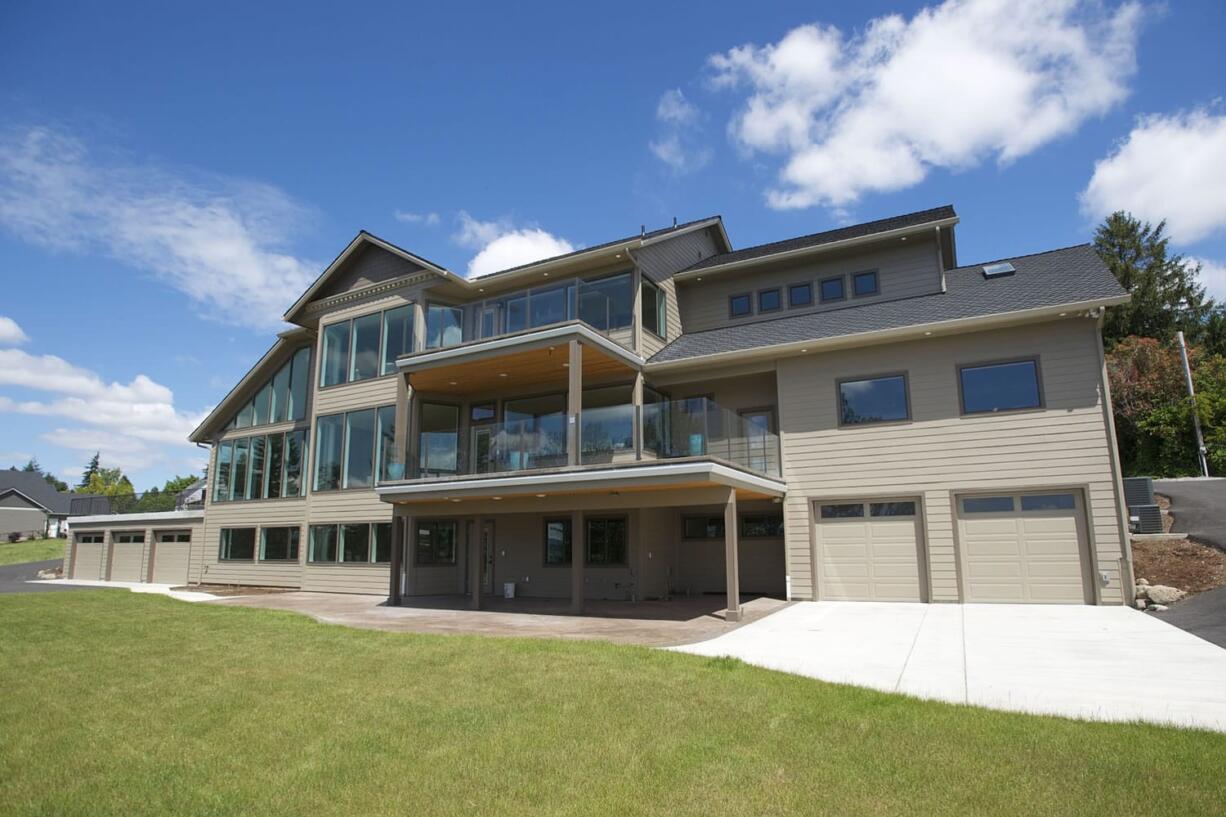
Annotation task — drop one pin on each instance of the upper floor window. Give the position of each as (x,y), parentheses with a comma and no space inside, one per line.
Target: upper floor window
(832,289)
(281,398)
(1000,387)
(366,346)
(608,303)
(351,448)
(263,467)
(864,283)
(800,294)
(739,306)
(875,400)
(444,326)
(654,309)
(770,300)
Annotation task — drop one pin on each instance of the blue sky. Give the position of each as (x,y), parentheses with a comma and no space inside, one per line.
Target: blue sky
(170,175)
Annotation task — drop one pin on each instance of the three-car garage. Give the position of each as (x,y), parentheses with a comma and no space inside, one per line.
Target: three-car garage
(153,547)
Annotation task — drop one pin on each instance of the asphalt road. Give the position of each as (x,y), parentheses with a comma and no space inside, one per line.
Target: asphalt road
(1204,615)
(14,578)
(1199,507)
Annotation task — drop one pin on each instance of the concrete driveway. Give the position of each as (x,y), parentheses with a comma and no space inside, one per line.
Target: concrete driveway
(1098,663)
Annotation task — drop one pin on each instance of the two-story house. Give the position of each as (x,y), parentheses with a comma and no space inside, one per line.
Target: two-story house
(847,415)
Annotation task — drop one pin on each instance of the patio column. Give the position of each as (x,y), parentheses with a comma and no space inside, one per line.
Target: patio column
(731,563)
(474,569)
(404,396)
(578,553)
(636,399)
(398,529)
(574,402)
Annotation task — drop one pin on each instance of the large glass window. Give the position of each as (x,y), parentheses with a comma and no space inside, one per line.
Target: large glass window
(440,438)
(436,542)
(295,453)
(281,397)
(255,481)
(262,405)
(336,354)
(359,449)
(397,336)
(280,393)
(345,448)
(654,309)
(237,544)
(323,544)
(241,463)
(382,535)
(557,541)
(299,378)
(276,465)
(328,449)
(221,484)
(279,544)
(1000,387)
(606,542)
(355,543)
(270,466)
(607,303)
(444,326)
(873,400)
(364,363)
(386,438)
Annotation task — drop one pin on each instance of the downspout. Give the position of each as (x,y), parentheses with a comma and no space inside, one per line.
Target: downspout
(940,258)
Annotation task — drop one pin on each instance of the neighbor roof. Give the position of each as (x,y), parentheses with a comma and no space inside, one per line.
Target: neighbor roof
(884,225)
(1074,275)
(36,489)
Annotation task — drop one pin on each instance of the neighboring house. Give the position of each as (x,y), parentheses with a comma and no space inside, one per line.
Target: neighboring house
(847,415)
(192,497)
(30,506)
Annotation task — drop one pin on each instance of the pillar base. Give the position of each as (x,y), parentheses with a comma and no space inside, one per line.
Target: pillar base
(733,615)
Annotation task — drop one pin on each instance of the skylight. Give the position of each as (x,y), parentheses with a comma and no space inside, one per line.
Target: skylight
(998,270)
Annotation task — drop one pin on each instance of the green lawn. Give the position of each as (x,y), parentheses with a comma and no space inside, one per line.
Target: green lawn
(125,704)
(31,550)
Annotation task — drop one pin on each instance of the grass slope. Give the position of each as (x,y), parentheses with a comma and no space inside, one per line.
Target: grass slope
(123,704)
(31,550)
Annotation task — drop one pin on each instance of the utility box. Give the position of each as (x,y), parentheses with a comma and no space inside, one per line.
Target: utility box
(508,590)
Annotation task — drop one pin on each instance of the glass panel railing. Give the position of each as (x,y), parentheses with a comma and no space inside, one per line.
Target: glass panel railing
(595,308)
(699,427)
(606,434)
(518,445)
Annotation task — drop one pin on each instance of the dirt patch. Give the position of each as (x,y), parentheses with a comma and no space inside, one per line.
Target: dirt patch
(1185,564)
(1168,520)
(233,589)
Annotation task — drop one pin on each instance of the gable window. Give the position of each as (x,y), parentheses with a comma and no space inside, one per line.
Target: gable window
(436,542)
(347,447)
(800,295)
(739,306)
(832,289)
(1000,387)
(606,542)
(864,283)
(444,326)
(557,541)
(364,352)
(281,398)
(279,544)
(873,400)
(237,544)
(653,309)
(770,300)
(703,527)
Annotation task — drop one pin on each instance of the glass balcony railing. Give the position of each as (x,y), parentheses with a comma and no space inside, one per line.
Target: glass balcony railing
(692,428)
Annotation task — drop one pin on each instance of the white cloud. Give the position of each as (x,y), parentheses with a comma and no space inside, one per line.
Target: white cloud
(429,219)
(953,86)
(680,131)
(10,333)
(215,239)
(1169,167)
(502,246)
(1212,277)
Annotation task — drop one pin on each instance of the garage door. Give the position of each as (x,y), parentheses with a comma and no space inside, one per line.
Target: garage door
(170,559)
(129,556)
(1027,547)
(87,556)
(868,551)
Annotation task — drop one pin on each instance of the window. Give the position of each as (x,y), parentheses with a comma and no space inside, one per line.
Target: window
(364,359)
(276,465)
(987,504)
(300,371)
(1049,502)
(323,544)
(279,544)
(172,536)
(336,354)
(221,484)
(129,537)
(739,306)
(262,405)
(875,400)
(328,445)
(703,527)
(439,439)
(355,543)
(654,312)
(351,543)
(864,283)
(891,509)
(770,300)
(90,538)
(482,413)
(557,542)
(390,467)
(237,544)
(606,542)
(515,313)
(397,336)
(1000,387)
(280,393)
(255,481)
(359,449)
(295,451)
(607,303)
(800,295)
(382,535)
(444,326)
(347,447)
(436,542)
(832,289)
(241,463)
(843,511)
(263,467)
(762,525)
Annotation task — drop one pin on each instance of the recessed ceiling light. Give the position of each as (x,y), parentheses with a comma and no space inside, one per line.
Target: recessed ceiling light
(451,382)
(502,374)
(699,278)
(481,289)
(497,497)
(927,333)
(804,350)
(455,500)
(546,275)
(1062,314)
(540,496)
(565,365)
(904,238)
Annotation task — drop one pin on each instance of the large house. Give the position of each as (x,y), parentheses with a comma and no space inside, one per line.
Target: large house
(847,415)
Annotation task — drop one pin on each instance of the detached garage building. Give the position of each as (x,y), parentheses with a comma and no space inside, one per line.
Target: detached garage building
(152,547)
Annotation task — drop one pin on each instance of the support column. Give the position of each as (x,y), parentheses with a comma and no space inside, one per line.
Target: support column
(393,590)
(400,451)
(578,554)
(636,399)
(474,570)
(731,564)
(574,403)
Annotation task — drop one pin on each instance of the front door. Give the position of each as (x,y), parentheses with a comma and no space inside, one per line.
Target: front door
(487,557)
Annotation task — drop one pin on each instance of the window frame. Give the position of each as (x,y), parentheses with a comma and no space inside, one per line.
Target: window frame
(762,310)
(838,398)
(261,543)
(380,345)
(343,476)
(808,285)
(261,490)
(744,517)
(128,537)
(748,296)
(459,308)
(587,542)
(706,519)
(455,550)
(876,283)
(222,543)
(89,538)
(1038,377)
(661,308)
(569,543)
(821,289)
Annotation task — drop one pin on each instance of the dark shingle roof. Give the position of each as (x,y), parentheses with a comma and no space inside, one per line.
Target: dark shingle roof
(34,487)
(829,237)
(1067,276)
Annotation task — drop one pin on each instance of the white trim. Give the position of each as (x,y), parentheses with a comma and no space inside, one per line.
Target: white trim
(152,516)
(686,275)
(411,362)
(714,471)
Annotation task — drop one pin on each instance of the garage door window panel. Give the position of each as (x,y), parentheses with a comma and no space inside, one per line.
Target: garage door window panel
(1048,502)
(987,504)
(843,511)
(997,387)
(891,509)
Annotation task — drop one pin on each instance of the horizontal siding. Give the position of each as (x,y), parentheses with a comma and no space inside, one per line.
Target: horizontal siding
(268,513)
(939,453)
(378,391)
(903,271)
(371,579)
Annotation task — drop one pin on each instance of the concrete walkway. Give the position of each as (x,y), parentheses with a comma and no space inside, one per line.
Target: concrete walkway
(135,587)
(1098,663)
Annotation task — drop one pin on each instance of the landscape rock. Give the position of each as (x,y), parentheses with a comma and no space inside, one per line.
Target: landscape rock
(1142,581)
(1141,590)
(1140,603)
(1159,608)
(1161,594)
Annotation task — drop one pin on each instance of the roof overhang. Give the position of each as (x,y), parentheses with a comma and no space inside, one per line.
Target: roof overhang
(523,341)
(817,249)
(119,519)
(893,335)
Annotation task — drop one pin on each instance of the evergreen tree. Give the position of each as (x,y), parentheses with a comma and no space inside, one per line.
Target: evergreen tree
(90,470)
(32,467)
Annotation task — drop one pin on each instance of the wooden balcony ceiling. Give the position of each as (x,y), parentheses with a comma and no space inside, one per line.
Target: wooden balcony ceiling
(532,367)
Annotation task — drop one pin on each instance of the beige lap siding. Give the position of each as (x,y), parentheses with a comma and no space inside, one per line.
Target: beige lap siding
(255,514)
(338,507)
(940,454)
